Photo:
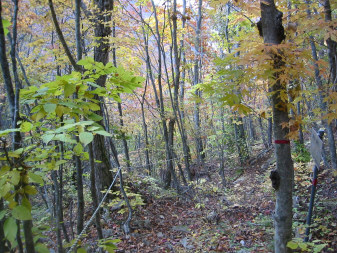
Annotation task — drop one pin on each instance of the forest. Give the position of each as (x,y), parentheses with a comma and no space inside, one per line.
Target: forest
(168,126)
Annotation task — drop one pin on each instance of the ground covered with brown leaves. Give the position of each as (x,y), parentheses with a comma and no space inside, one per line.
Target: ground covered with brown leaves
(208,217)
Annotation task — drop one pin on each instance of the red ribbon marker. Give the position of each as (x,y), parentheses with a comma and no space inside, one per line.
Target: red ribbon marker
(282,142)
(314,182)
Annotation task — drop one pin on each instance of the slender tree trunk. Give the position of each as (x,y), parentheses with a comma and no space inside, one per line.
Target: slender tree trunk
(198,140)
(176,80)
(125,143)
(146,137)
(300,130)
(120,110)
(332,45)
(283,177)
(57,212)
(323,104)
(240,140)
(169,173)
(270,131)
(93,190)
(263,134)
(60,204)
(80,196)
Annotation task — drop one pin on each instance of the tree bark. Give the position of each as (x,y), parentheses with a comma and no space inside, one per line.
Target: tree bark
(93,190)
(13,99)
(61,37)
(323,104)
(176,82)
(102,32)
(196,80)
(332,45)
(169,173)
(283,177)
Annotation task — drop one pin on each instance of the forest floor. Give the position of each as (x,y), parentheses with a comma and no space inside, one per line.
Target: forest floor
(237,218)
(207,217)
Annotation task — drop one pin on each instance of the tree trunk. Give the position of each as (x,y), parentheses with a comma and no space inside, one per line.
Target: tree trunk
(323,104)
(332,45)
(146,137)
(102,32)
(13,100)
(60,203)
(176,80)
(93,190)
(57,212)
(169,173)
(198,140)
(240,140)
(120,110)
(283,177)
(263,134)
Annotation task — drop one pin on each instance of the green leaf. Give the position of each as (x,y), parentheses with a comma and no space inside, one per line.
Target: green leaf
(104,133)
(7,131)
(2,214)
(15,177)
(50,108)
(5,25)
(65,138)
(303,245)
(10,229)
(320,247)
(26,203)
(94,107)
(30,189)
(69,89)
(40,248)
(4,169)
(81,250)
(86,138)
(21,213)
(47,137)
(94,117)
(78,149)
(292,245)
(26,127)
(110,249)
(34,178)
(5,189)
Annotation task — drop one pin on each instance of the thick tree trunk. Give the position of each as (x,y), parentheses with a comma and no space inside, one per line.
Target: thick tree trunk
(283,177)
(102,32)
